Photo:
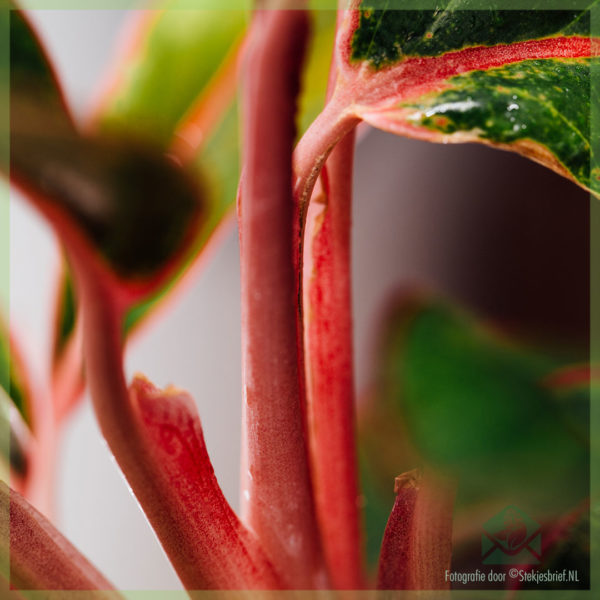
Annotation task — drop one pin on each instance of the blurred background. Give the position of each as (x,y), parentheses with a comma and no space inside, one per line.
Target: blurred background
(489,230)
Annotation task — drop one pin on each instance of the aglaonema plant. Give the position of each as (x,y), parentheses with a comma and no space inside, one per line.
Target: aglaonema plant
(135,196)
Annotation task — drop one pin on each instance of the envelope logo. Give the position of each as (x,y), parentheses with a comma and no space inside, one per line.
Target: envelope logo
(511,538)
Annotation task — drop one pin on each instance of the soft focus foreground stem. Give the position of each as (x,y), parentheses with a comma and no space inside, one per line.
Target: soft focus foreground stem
(40,557)
(277,496)
(329,368)
(417,544)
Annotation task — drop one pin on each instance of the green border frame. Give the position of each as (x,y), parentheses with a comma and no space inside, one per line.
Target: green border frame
(4,231)
(594,304)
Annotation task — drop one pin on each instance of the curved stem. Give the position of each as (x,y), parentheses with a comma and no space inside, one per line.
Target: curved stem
(327,323)
(277,498)
(39,486)
(197,529)
(334,122)
(329,369)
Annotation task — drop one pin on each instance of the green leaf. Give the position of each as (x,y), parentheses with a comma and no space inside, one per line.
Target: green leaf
(476,406)
(13,438)
(176,56)
(315,72)
(515,79)
(132,204)
(217,159)
(494,106)
(15,405)
(32,80)
(13,379)
(66,312)
(387,36)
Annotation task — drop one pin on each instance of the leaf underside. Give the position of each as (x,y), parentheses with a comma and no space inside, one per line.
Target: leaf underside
(132,204)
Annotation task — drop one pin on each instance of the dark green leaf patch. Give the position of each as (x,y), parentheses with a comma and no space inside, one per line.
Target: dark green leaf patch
(387,35)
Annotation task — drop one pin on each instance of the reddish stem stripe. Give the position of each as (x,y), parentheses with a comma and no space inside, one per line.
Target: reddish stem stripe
(414,77)
(330,385)
(417,544)
(276,487)
(40,557)
(232,557)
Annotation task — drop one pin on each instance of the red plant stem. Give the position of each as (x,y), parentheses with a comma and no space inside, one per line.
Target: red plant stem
(417,544)
(180,521)
(40,557)
(333,123)
(277,496)
(174,432)
(329,370)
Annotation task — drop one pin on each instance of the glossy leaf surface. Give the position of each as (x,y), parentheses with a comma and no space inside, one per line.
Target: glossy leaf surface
(386,34)
(495,106)
(515,79)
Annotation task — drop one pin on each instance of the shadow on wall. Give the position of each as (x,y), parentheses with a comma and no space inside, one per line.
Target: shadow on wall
(496,232)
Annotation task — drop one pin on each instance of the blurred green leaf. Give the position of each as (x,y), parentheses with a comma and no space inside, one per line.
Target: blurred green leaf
(458,396)
(315,73)
(175,58)
(12,376)
(475,405)
(132,110)
(15,404)
(133,204)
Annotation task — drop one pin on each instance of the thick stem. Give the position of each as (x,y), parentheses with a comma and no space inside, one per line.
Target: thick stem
(329,369)
(327,320)
(277,496)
